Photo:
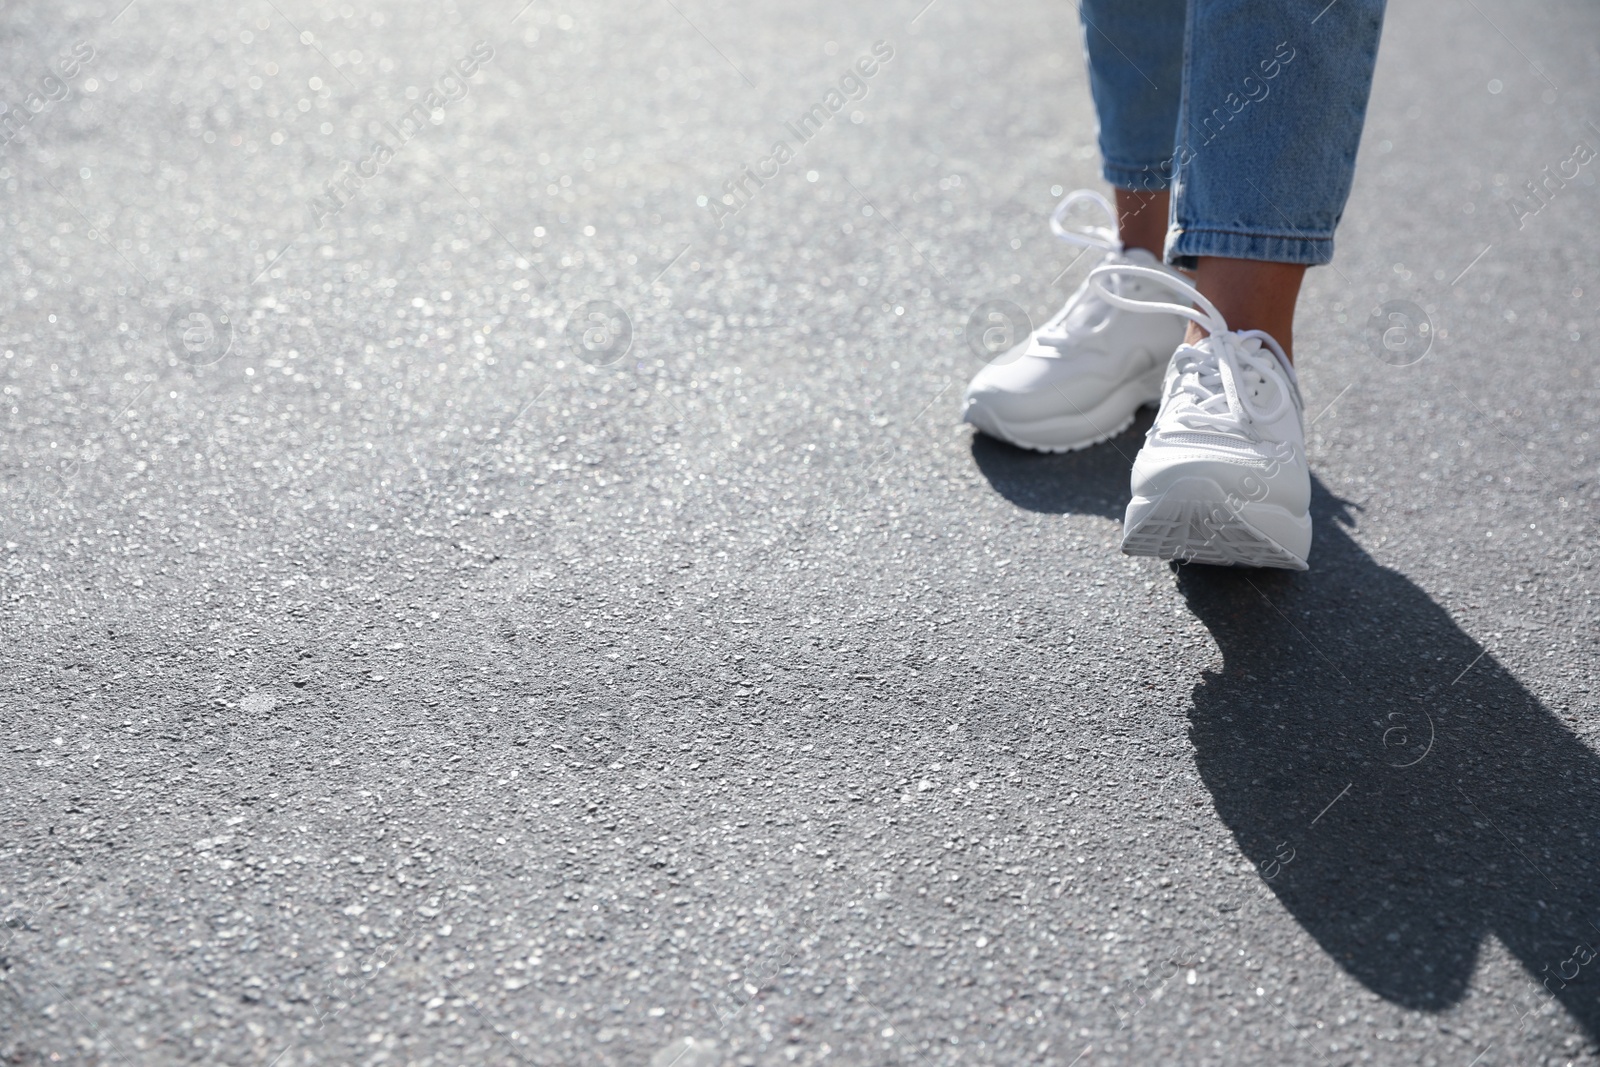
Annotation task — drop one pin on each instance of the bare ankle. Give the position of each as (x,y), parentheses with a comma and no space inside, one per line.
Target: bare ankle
(1251,295)
(1142,219)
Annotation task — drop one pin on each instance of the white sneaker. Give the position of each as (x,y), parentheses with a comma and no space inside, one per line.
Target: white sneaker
(1079,378)
(1222,477)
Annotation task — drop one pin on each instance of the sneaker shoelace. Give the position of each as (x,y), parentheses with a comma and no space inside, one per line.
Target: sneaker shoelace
(1083,311)
(1102,237)
(1221,379)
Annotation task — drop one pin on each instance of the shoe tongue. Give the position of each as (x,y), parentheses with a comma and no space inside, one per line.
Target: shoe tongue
(1090,310)
(1205,372)
(1084,316)
(1087,312)
(1262,389)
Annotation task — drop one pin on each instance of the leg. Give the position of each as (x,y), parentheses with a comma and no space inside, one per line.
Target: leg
(1135,53)
(1273,100)
(1082,375)
(1142,219)
(1274,97)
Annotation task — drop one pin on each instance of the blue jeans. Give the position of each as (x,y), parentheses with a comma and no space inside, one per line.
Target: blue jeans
(1250,111)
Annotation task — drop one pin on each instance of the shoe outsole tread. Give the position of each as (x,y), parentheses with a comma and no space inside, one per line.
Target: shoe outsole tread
(1193,531)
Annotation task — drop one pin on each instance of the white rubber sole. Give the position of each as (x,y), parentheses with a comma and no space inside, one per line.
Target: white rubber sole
(1192,522)
(1075,430)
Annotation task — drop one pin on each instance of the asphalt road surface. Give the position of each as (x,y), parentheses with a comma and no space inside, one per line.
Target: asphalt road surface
(469,600)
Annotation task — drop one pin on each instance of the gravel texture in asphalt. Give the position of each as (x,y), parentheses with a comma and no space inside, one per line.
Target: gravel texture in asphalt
(467,603)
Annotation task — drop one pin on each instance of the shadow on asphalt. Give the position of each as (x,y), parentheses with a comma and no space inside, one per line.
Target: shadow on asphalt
(1401,794)
(1091,482)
